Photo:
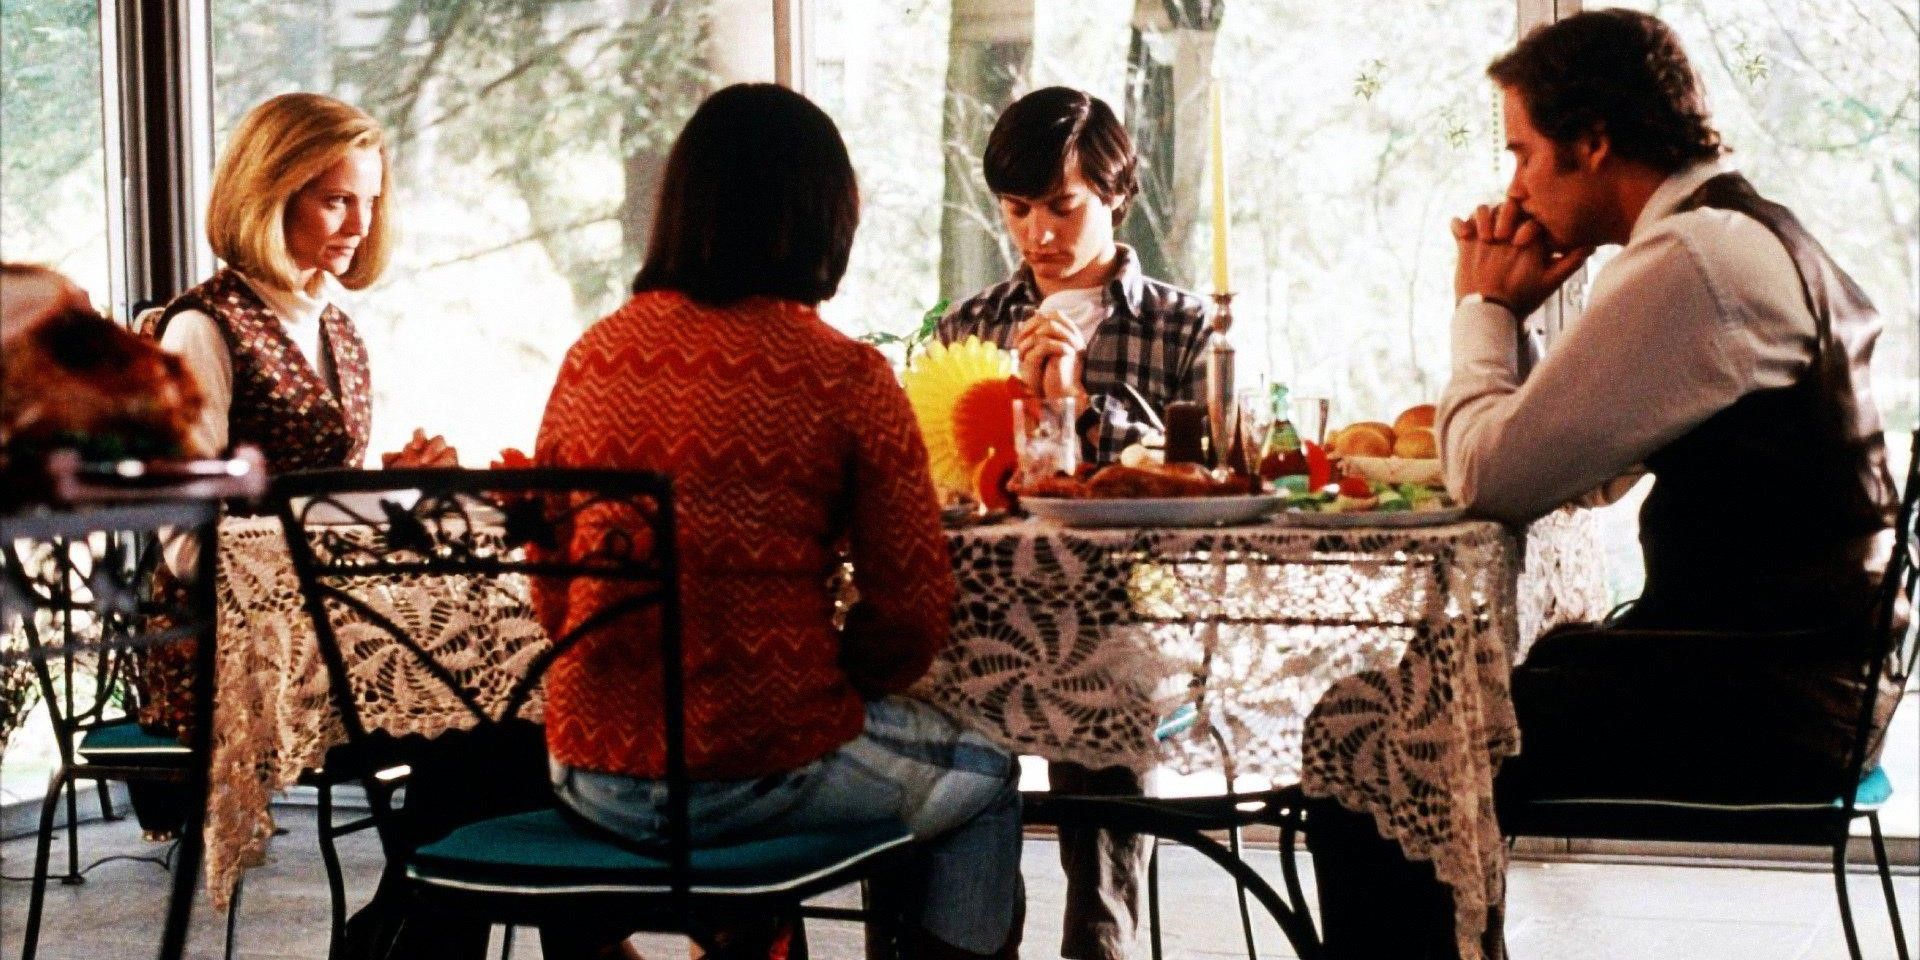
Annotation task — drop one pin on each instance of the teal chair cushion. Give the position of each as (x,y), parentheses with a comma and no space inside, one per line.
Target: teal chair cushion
(542,853)
(123,741)
(1875,789)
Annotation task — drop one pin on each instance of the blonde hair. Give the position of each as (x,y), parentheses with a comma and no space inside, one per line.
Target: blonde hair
(279,147)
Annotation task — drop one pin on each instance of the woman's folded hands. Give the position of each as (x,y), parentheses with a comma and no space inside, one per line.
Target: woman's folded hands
(422,451)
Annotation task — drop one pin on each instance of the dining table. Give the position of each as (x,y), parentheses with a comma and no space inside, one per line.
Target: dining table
(1367,663)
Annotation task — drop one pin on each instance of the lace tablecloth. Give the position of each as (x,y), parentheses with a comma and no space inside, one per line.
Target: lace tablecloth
(274,720)
(1371,665)
(1070,645)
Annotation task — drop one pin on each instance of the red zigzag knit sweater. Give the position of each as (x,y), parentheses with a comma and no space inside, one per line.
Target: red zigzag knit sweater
(784,438)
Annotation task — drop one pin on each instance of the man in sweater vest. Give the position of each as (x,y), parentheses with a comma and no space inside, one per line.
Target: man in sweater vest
(1726,354)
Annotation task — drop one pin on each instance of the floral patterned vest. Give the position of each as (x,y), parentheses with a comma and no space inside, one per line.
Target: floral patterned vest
(280,403)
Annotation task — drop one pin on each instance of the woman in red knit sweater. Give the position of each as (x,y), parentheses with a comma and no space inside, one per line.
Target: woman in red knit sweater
(787,441)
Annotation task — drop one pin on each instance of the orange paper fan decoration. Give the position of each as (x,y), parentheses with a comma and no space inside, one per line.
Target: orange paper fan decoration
(935,382)
(983,418)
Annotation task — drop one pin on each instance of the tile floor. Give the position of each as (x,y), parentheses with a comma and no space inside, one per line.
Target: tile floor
(1561,910)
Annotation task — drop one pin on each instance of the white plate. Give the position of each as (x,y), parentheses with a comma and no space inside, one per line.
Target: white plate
(1153,511)
(1369,518)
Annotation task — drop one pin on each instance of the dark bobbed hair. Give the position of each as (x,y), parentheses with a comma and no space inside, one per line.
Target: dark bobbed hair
(758,199)
(1041,133)
(1620,72)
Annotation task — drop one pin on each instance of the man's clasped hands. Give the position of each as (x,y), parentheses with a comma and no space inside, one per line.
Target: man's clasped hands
(1509,258)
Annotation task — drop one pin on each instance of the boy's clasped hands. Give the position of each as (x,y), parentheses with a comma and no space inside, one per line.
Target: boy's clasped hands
(1050,348)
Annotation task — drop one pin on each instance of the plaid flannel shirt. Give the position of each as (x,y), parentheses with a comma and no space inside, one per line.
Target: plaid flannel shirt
(1154,338)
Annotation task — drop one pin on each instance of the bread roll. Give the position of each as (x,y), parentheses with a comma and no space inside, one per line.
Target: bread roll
(1414,417)
(1415,443)
(1368,438)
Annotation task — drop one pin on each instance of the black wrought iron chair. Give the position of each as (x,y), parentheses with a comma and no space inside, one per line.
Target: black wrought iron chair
(75,590)
(1889,651)
(543,867)
(1188,821)
(82,686)
(1229,812)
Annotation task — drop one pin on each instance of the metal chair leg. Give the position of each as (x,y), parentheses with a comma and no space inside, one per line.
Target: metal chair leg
(336,884)
(1290,867)
(1886,885)
(73,877)
(1240,889)
(107,812)
(42,854)
(1153,898)
(797,939)
(1846,906)
(886,923)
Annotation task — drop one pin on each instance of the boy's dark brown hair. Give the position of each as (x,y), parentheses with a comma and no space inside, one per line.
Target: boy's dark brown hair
(1620,72)
(758,199)
(1041,133)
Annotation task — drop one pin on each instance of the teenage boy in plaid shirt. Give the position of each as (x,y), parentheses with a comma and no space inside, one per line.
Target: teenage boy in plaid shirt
(1085,323)
(1081,316)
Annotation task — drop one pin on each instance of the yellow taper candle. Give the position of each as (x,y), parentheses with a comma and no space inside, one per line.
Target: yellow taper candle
(1217,142)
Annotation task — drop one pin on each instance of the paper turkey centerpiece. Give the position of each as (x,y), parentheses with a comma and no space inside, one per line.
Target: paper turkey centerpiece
(962,394)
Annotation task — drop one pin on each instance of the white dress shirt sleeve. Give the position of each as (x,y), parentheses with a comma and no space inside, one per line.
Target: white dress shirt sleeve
(1659,349)
(193,337)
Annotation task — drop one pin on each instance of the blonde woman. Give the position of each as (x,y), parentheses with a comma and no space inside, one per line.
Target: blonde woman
(299,210)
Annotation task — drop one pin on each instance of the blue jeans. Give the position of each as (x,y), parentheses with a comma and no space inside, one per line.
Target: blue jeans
(956,790)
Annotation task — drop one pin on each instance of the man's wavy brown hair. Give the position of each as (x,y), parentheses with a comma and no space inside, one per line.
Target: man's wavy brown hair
(1617,72)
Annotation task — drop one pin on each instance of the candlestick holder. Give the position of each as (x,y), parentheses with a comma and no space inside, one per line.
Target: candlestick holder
(1221,415)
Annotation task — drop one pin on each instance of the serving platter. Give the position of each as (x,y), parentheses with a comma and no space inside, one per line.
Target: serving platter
(1153,511)
(1369,518)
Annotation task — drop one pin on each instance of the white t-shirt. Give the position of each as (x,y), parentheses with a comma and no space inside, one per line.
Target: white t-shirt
(1086,308)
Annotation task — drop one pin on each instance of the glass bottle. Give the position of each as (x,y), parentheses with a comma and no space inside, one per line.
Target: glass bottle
(1281,455)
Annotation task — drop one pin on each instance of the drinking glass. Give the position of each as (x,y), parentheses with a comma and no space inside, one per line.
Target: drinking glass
(1256,414)
(1044,438)
(1256,420)
(1310,418)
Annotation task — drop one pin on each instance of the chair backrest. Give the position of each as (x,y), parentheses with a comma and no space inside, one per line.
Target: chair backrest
(400,569)
(1903,575)
(85,569)
(81,599)
(146,321)
(1895,641)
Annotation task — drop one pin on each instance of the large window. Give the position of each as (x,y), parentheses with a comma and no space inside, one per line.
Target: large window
(1351,138)
(52,162)
(1821,105)
(528,137)
(53,211)
(1356,137)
